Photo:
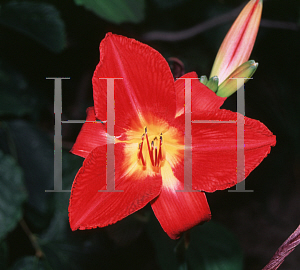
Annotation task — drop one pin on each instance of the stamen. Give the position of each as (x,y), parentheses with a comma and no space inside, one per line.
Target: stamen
(151,156)
(141,151)
(155,151)
(159,152)
(152,147)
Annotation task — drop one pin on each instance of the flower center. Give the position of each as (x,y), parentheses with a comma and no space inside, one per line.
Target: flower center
(151,152)
(150,146)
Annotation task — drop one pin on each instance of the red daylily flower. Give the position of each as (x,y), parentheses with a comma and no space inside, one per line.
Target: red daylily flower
(149,144)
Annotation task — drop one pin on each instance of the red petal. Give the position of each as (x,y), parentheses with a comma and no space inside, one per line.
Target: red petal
(147,84)
(91,135)
(203,99)
(215,149)
(178,212)
(90,209)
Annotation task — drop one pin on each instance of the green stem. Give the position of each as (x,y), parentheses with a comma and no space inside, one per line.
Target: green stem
(33,239)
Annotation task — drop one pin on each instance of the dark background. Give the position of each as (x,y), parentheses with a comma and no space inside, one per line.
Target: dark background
(40,39)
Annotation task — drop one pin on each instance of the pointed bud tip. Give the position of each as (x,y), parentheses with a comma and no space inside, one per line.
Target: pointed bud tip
(239,41)
(253,66)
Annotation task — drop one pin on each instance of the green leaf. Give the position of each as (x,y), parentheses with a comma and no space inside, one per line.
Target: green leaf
(30,263)
(116,11)
(15,99)
(35,154)
(12,105)
(12,194)
(39,21)
(163,245)
(213,247)
(60,247)
(3,255)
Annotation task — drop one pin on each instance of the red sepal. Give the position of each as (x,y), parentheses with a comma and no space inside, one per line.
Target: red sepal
(91,135)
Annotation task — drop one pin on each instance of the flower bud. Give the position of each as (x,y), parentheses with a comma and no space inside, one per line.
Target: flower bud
(213,83)
(229,86)
(203,79)
(239,41)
